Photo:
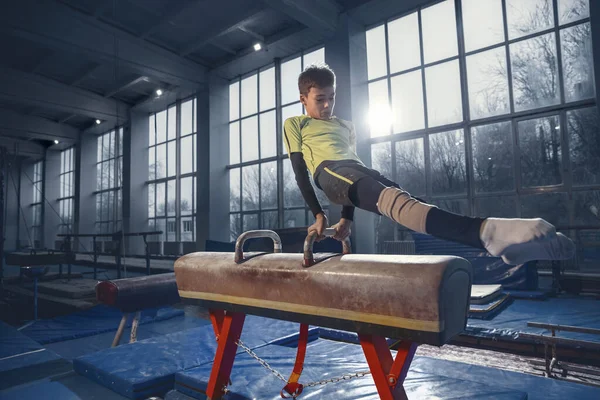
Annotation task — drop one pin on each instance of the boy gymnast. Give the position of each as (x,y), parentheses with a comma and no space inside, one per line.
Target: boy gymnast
(325,145)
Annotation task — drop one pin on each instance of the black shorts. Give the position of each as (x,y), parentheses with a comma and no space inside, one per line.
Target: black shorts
(335,178)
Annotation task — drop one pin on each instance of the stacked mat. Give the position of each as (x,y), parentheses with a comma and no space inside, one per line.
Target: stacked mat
(487,301)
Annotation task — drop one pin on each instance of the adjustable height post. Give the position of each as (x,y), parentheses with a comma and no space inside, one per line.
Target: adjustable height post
(388,374)
(228,327)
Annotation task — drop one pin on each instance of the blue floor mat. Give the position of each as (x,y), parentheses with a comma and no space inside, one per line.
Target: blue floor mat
(538,388)
(23,360)
(563,310)
(326,359)
(71,349)
(148,367)
(98,319)
(68,387)
(529,294)
(14,342)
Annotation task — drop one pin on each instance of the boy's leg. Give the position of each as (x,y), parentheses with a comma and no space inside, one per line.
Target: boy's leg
(383,196)
(515,240)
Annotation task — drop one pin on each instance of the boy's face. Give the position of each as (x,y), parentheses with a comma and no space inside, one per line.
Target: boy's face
(319,102)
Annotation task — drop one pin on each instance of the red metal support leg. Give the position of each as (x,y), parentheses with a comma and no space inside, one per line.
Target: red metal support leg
(404,356)
(229,327)
(388,374)
(217,317)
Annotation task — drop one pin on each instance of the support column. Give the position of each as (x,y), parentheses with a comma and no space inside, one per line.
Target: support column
(203,169)
(51,214)
(595,26)
(135,175)
(87,186)
(218,144)
(346,54)
(26,198)
(10,212)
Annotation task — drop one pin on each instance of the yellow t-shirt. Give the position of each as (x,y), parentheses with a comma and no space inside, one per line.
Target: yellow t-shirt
(320,140)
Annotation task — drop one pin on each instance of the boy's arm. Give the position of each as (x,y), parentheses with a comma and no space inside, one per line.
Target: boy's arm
(303,181)
(293,143)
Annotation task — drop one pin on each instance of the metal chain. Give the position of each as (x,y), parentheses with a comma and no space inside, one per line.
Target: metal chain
(261,361)
(345,377)
(265,364)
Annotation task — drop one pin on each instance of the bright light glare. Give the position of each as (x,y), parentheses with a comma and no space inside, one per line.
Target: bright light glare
(381,119)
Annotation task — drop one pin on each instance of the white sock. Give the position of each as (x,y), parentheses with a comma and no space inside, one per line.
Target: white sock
(520,240)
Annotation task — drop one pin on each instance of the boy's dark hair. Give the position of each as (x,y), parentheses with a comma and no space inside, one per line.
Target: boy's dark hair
(315,75)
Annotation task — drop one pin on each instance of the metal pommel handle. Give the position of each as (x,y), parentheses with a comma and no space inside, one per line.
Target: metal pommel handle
(309,259)
(239,244)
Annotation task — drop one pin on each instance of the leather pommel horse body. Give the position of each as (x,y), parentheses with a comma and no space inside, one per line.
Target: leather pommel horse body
(417,299)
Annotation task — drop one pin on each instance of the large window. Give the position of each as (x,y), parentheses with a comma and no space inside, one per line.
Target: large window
(172,172)
(36,205)
(257,152)
(67,190)
(497,118)
(109,182)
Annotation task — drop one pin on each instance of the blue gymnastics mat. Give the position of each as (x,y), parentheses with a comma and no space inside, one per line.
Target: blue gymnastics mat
(98,319)
(22,359)
(147,367)
(327,359)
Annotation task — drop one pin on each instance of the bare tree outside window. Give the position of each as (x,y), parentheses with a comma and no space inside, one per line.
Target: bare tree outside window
(577,62)
(583,126)
(493,161)
(448,164)
(540,147)
(410,166)
(519,73)
(587,208)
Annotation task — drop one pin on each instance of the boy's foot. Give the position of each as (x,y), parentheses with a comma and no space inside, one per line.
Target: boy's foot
(520,240)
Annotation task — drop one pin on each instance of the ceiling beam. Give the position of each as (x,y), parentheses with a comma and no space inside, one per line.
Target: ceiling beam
(62,28)
(86,73)
(176,10)
(126,85)
(34,90)
(39,63)
(375,11)
(249,14)
(21,147)
(16,125)
(224,48)
(278,46)
(320,15)
(255,35)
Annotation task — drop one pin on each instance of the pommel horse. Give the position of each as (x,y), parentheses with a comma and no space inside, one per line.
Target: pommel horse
(417,299)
